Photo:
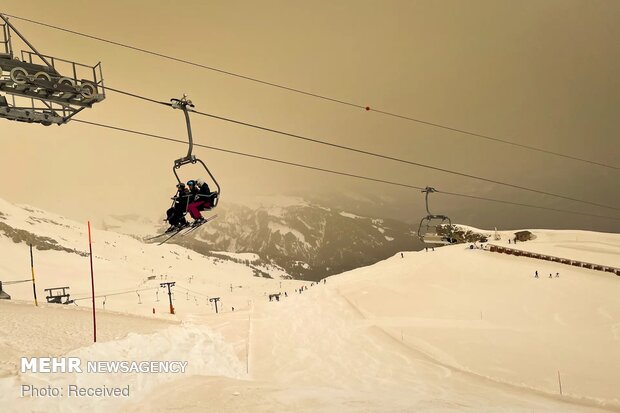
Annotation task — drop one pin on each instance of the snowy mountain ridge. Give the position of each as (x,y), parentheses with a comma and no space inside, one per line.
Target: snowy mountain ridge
(61,259)
(308,240)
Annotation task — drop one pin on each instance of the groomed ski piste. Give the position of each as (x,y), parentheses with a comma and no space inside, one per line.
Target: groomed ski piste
(450,330)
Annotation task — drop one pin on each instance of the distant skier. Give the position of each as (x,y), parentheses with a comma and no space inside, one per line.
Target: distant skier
(557,275)
(536,276)
(550,275)
(509,241)
(402,255)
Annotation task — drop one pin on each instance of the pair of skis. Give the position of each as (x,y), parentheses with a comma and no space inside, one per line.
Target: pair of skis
(184,231)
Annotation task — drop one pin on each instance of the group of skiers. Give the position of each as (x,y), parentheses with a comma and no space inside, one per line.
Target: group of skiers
(557,275)
(193,197)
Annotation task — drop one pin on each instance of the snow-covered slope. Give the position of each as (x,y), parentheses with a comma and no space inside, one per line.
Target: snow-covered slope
(587,246)
(485,313)
(450,330)
(127,271)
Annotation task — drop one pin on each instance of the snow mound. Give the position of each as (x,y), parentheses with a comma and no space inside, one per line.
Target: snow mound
(205,352)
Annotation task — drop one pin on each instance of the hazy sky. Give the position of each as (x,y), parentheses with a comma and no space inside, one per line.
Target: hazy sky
(541,73)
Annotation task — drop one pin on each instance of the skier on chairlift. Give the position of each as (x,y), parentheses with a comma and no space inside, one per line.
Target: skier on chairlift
(202,200)
(192,189)
(176,214)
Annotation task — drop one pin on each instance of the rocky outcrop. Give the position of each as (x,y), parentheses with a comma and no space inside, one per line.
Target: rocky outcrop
(460,235)
(524,236)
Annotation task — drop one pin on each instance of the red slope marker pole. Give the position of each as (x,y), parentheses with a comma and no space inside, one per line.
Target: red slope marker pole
(92,282)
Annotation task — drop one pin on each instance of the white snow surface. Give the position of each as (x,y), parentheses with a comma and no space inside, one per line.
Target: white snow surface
(446,331)
(205,351)
(593,247)
(350,215)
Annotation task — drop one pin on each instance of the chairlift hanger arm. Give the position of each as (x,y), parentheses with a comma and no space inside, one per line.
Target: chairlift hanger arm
(183,105)
(428,190)
(189,132)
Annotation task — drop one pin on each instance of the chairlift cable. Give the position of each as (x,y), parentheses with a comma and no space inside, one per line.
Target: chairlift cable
(122,92)
(192,291)
(247,155)
(392,158)
(324,97)
(367,178)
(377,155)
(121,293)
(15,282)
(188,62)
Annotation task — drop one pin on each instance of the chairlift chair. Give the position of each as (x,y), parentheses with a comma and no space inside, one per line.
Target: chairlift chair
(428,229)
(183,105)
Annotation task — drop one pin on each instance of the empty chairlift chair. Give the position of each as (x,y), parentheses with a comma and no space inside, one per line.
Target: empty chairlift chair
(434,229)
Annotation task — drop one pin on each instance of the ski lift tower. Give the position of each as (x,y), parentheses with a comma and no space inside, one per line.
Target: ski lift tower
(37,88)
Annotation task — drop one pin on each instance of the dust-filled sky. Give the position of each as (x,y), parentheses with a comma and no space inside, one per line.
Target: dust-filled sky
(542,73)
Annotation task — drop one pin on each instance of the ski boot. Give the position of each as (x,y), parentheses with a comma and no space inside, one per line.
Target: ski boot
(198,222)
(182,225)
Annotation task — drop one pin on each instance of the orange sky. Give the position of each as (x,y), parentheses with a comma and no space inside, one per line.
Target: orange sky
(542,73)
